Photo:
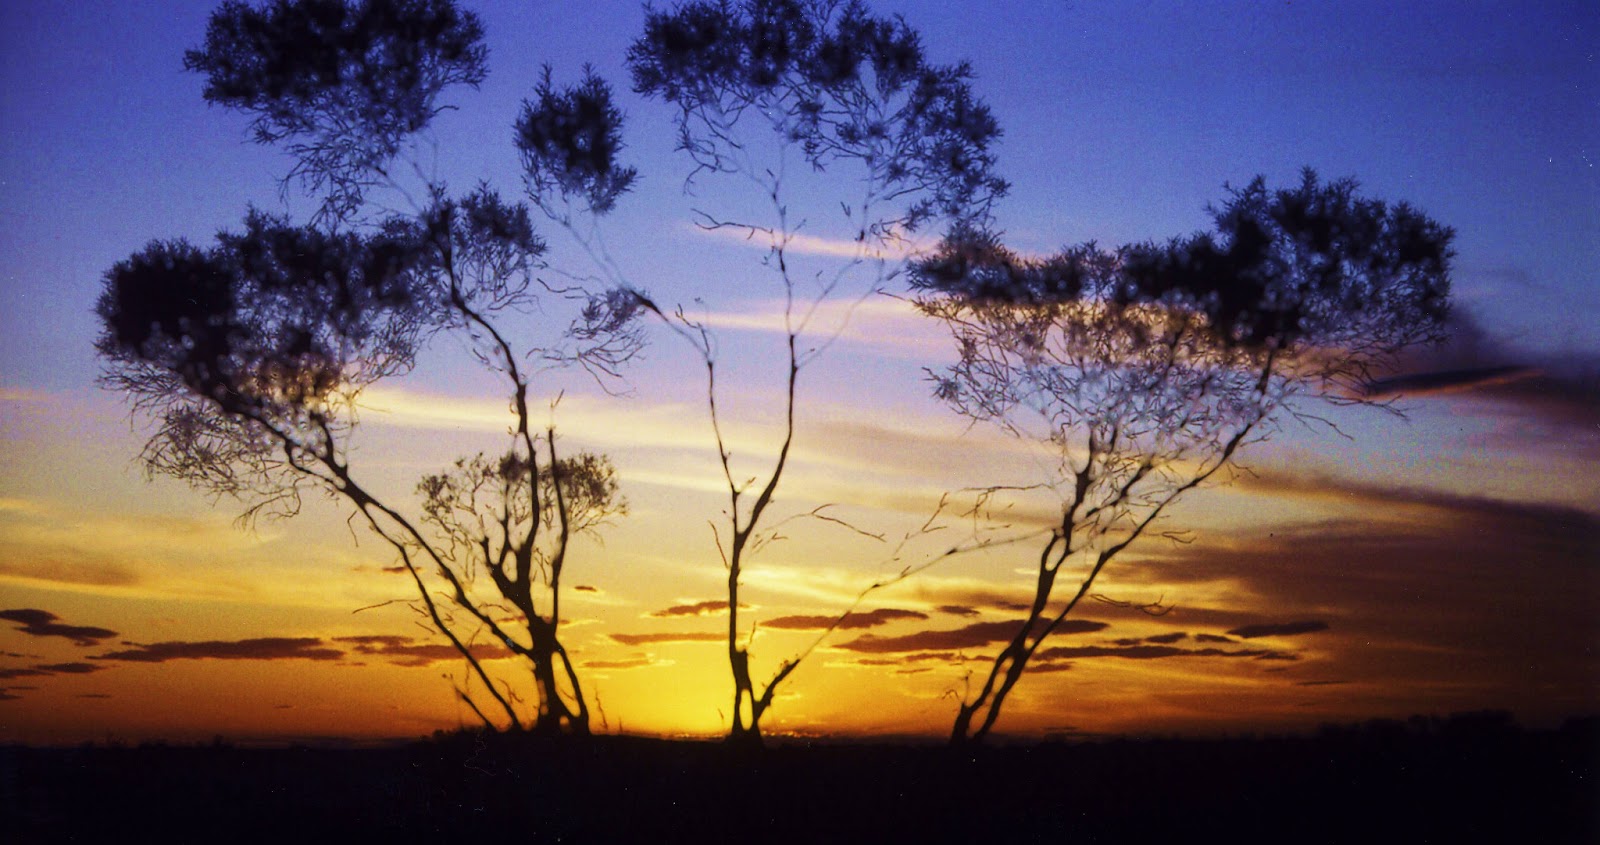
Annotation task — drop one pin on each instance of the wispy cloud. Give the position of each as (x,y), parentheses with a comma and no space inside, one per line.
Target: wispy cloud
(1451,381)
(169,556)
(663,425)
(668,637)
(70,668)
(1410,590)
(1415,505)
(625,663)
(1560,389)
(840,457)
(978,595)
(917,657)
(1280,629)
(714,607)
(853,621)
(257,648)
(19,394)
(405,651)
(42,623)
(66,570)
(10,505)
(1152,652)
(829,586)
(976,635)
(605,424)
(822,246)
(886,324)
(44,670)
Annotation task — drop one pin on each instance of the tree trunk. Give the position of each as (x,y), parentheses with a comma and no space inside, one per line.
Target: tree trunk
(745,736)
(554,717)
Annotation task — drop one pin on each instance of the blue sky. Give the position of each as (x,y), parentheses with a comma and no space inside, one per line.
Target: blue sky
(1122,122)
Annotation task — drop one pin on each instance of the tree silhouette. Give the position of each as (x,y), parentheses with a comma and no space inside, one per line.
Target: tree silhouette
(342,85)
(854,96)
(250,355)
(1144,369)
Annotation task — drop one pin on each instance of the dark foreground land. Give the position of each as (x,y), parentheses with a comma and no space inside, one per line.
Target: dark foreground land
(1455,781)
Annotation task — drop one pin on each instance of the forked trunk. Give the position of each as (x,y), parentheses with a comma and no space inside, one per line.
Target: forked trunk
(555,716)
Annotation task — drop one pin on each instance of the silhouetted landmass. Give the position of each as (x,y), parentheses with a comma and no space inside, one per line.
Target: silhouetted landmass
(1469,778)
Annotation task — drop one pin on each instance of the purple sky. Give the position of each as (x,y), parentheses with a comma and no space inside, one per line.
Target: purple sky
(1122,122)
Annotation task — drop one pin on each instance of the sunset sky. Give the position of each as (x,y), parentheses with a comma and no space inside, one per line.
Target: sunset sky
(1439,562)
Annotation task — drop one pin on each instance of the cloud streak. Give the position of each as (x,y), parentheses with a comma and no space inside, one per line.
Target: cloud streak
(69,571)
(404,651)
(854,621)
(821,246)
(625,663)
(976,635)
(70,668)
(1437,595)
(257,648)
(714,607)
(1152,652)
(669,637)
(1450,381)
(1560,389)
(1284,629)
(42,623)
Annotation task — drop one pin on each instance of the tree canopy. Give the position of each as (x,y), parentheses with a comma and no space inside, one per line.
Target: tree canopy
(341,85)
(250,354)
(1145,368)
(903,140)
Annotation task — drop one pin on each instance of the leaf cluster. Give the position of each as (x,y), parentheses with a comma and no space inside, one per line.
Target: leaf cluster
(481,249)
(1167,348)
(1314,263)
(344,84)
(833,78)
(1314,269)
(570,140)
(487,507)
(271,316)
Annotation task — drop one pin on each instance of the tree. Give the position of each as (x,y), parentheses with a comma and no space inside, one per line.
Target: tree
(1145,369)
(854,96)
(250,355)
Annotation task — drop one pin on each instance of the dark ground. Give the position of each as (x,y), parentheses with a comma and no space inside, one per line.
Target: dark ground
(1468,779)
